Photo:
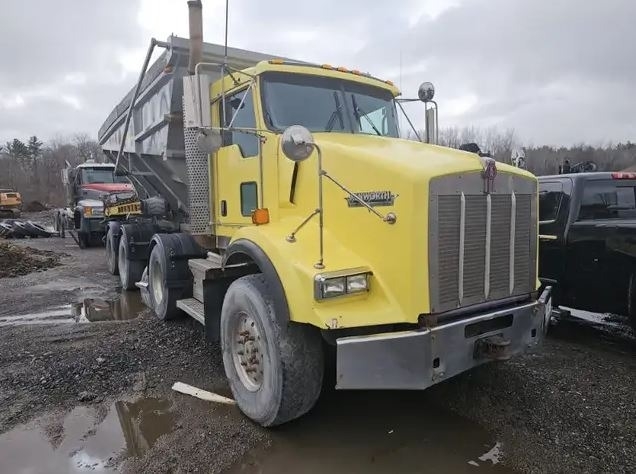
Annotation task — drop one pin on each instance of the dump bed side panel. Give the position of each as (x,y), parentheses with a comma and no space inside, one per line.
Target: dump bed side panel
(154,152)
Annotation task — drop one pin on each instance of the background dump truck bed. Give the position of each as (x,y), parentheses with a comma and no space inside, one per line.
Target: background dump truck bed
(155,149)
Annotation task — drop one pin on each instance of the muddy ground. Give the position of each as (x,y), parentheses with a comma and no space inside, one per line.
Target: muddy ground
(86,376)
(17,260)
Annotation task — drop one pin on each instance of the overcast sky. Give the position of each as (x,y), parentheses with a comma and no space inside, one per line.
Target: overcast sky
(558,71)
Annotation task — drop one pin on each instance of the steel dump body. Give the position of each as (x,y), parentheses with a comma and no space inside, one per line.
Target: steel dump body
(155,150)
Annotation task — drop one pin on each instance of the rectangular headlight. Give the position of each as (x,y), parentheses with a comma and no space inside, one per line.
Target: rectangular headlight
(330,285)
(333,287)
(358,283)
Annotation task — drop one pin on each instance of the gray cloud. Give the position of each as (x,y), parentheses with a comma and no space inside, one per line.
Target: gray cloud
(557,72)
(61,64)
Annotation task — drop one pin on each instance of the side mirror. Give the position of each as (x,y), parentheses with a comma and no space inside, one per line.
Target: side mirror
(209,141)
(426,91)
(297,143)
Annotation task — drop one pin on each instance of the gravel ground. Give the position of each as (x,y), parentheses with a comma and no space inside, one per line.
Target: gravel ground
(568,407)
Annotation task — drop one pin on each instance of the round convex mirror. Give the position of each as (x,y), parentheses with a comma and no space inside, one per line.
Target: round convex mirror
(426,92)
(297,143)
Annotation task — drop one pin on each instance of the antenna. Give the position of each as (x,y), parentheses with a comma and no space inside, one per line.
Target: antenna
(227,7)
(400,68)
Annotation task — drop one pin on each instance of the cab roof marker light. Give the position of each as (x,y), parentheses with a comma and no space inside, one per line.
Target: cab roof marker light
(342,69)
(326,66)
(276,61)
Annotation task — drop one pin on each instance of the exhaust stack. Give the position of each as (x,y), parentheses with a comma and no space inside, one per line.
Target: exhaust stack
(195,17)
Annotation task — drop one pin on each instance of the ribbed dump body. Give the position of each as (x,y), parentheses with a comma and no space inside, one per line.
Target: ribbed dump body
(157,157)
(482,245)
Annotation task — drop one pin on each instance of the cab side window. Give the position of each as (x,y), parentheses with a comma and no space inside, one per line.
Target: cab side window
(240,107)
(550,197)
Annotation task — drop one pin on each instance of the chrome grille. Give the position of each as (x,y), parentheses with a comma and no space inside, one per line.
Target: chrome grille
(482,247)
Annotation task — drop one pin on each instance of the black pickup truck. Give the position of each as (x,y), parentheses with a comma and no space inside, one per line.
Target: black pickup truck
(587,227)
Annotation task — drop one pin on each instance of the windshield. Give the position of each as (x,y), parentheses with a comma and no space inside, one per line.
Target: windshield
(101,175)
(611,199)
(324,104)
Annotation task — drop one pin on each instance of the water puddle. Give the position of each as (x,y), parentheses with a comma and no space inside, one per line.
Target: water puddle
(377,432)
(606,330)
(127,306)
(86,440)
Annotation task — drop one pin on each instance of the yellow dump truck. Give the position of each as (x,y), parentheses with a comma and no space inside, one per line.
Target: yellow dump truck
(10,202)
(283,210)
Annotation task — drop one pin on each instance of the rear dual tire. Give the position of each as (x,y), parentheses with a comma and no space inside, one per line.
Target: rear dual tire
(162,297)
(130,271)
(112,249)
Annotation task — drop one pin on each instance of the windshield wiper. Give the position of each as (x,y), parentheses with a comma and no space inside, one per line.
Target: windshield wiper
(357,111)
(335,114)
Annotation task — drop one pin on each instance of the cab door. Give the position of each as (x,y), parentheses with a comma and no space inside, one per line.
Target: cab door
(237,164)
(554,203)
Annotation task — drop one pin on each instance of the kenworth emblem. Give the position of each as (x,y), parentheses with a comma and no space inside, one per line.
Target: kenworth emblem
(372,198)
(489,174)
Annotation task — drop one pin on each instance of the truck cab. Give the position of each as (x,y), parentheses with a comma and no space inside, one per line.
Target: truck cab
(304,225)
(587,225)
(87,186)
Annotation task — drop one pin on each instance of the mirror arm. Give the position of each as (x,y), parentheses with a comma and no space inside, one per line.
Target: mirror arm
(409,121)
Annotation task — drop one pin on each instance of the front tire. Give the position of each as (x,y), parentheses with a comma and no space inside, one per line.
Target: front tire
(275,369)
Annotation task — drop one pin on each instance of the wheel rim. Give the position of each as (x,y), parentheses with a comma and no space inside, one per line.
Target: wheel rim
(247,351)
(156,276)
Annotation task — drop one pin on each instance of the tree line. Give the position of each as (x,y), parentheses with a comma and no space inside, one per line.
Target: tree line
(540,160)
(33,168)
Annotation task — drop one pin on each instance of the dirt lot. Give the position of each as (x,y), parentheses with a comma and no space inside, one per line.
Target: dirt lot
(86,376)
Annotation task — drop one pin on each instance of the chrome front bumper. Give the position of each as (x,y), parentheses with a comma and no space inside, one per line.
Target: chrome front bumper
(412,360)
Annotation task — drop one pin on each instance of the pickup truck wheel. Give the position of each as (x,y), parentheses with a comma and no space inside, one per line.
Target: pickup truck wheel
(275,371)
(130,271)
(163,298)
(111,252)
(631,300)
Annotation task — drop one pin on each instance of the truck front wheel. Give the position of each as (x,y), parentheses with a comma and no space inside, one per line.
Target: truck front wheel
(275,369)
